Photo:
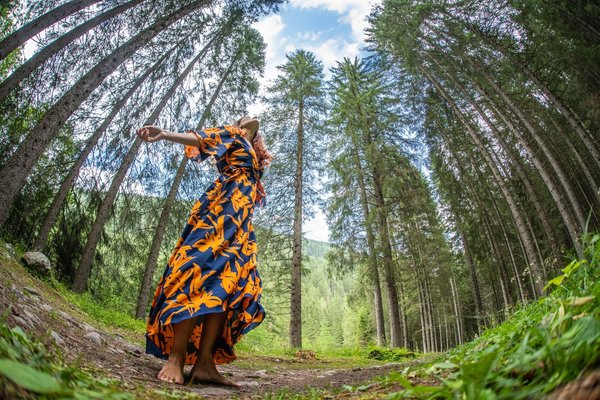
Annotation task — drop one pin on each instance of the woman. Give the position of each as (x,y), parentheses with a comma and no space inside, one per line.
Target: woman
(209,294)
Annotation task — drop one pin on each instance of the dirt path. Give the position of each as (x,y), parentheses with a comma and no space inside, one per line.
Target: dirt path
(45,314)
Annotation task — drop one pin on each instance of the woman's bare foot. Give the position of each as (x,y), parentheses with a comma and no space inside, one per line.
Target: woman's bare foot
(205,371)
(172,371)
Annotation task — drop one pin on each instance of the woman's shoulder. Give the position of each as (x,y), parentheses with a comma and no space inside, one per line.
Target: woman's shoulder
(232,129)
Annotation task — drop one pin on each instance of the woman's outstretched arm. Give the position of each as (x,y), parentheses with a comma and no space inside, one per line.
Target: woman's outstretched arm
(151,133)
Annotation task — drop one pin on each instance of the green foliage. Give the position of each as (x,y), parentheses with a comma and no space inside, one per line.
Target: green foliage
(106,313)
(28,378)
(28,370)
(542,346)
(383,353)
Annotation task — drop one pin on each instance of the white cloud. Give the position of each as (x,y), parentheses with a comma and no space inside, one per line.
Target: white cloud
(316,228)
(353,12)
(309,36)
(333,50)
(270,28)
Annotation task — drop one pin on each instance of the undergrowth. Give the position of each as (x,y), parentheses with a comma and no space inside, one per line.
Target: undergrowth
(109,315)
(542,346)
(28,370)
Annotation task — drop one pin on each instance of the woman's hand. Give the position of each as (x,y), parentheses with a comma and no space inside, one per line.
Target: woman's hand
(151,133)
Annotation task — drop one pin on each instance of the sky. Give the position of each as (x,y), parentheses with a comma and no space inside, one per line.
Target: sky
(332,30)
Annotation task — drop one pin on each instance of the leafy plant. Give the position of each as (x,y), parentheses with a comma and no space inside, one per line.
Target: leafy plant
(541,346)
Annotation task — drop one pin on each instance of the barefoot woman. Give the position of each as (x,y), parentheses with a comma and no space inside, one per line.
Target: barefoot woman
(209,294)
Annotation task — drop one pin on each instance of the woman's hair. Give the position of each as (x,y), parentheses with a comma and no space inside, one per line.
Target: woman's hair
(264,157)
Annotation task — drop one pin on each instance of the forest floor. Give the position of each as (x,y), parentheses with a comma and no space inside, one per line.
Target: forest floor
(117,355)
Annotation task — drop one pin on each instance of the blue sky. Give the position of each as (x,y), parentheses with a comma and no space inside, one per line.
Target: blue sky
(332,30)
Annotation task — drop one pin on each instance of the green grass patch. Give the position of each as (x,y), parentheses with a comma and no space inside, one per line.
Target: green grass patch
(543,345)
(28,370)
(109,315)
(386,354)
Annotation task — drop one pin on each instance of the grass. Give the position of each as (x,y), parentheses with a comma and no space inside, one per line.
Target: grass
(29,370)
(110,316)
(542,346)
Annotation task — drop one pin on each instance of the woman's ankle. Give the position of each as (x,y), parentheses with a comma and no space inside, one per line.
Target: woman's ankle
(176,357)
(205,359)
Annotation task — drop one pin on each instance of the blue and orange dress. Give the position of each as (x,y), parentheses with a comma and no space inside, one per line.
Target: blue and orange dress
(213,266)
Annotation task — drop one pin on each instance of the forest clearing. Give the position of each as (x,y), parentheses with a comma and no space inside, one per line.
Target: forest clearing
(381,199)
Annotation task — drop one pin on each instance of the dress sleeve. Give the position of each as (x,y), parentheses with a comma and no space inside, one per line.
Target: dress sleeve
(211,142)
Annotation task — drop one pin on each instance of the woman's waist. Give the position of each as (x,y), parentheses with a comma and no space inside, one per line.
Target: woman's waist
(236,171)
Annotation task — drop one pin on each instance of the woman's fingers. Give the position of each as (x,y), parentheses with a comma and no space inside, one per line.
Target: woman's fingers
(143,133)
(149,133)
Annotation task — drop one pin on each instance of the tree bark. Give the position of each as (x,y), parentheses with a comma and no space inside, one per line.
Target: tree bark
(519,221)
(85,266)
(61,195)
(390,280)
(14,173)
(29,30)
(40,57)
(378,306)
(296,289)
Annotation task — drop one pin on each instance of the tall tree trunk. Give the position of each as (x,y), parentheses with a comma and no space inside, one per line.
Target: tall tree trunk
(32,28)
(85,265)
(548,181)
(474,280)
(457,311)
(159,233)
(519,221)
(511,255)
(424,336)
(556,166)
(571,117)
(378,306)
(38,58)
(574,121)
(57,202)
(494,156)
(403,318)
(379,319)
(509,152)
(296,289)
(15,171)
(390,280)
(531,192)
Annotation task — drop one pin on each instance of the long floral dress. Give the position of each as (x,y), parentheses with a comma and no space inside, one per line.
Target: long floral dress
(213,266)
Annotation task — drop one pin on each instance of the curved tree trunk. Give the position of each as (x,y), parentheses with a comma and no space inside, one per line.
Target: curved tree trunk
(572,118)
(85,265)
(474,279)
(38,58)
(390,280)
(378,306)
(519,221)
(14,173)
(32,28)
(556,194)
(50,218)
(556,166)
(531,193)
(151,263)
